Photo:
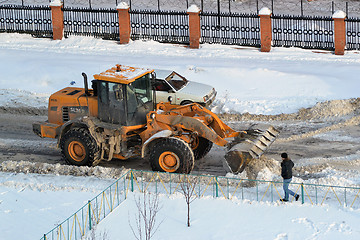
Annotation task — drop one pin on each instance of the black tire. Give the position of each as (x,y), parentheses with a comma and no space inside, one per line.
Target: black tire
(171,155)
(202,148)
(78,147)
(185,102)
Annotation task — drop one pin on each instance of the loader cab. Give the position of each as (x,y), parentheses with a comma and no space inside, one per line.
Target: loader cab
(125,102)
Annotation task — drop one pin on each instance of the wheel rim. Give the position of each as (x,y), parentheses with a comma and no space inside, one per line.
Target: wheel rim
(169,161)
(195,143)
(77,151)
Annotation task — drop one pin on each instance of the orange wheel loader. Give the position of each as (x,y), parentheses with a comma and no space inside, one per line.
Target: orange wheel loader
(118,118)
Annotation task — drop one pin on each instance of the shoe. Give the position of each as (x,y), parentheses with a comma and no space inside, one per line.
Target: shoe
(284,200)
(297,197)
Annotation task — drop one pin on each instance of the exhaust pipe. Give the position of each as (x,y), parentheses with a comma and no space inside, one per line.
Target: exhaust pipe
(86,84)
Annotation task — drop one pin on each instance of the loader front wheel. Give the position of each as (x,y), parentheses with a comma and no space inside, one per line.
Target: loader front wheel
(171,155)
(201,146)
(78,147)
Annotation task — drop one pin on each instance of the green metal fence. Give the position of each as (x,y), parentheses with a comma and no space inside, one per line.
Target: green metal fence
(81,222)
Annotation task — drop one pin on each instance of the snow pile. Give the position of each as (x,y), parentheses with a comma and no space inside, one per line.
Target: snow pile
(336,171)
(59,169)
(331,109)
(22,98)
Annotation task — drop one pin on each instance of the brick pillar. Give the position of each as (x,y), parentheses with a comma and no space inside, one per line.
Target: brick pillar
(340,32)
(57,18)
(265,29)
(194,26)
(124,22)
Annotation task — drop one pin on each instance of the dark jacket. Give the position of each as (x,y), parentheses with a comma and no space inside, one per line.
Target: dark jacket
(286,168)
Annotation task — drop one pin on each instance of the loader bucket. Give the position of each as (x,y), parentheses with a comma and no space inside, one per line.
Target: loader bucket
(252,147)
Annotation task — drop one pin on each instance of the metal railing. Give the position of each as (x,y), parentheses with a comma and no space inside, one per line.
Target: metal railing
(81,222)
(295,7)
(84,220)
(352,33)
(173,27)
(103,23)
(304,32)
(244,189)
(230,29)
(34,20)
(160,26)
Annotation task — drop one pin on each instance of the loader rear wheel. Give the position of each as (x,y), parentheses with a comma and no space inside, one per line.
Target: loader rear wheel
(201,146)
(78,147)
(171,155)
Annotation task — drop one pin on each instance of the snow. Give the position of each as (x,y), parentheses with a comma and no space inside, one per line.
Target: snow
(246,80)
(237,219)
(121,73)
(122,5)
(339,14)
(265,11)
(56,3)
(32,204)
(193,9)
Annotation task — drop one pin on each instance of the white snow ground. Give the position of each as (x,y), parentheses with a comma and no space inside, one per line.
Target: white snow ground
(247,81)
(215,219)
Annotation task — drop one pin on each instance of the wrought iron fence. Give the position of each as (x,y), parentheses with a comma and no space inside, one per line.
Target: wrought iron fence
(28,19)
(173,27)
(103,23)
(352,33)
(303,32)
(230,29)
(293,7)
(81,222)
(161,26)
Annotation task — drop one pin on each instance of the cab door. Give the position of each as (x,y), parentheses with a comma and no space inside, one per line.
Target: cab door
(111,104)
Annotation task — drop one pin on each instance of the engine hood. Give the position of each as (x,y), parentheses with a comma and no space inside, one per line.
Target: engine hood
(195,88)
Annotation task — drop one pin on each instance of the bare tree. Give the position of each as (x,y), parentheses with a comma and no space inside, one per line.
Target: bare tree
(188,184)
(145,220)
(101,236)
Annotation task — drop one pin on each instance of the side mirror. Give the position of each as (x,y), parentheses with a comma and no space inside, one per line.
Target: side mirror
(170,99)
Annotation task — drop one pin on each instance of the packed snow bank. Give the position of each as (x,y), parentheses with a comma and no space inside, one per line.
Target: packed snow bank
(31,204)
(22,98)
(60,169)
(247,80)
(223,219)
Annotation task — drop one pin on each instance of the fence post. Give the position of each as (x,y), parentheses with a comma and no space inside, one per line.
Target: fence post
(57,18)
(194,26)
(89,203)
(132,181)
(265,29)
(124,22)
(302,194)
(217,187)
(340,32)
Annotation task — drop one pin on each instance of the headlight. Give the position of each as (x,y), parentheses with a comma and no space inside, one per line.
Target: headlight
(206,98)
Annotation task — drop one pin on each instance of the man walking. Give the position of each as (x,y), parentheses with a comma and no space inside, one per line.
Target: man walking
(286,173)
